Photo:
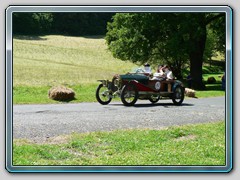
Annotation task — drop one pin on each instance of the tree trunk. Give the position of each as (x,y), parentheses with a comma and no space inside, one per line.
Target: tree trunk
(198,37)
(196,71)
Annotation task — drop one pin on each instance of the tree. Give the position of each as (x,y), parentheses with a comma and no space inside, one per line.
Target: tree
(61,23)
(32,23)
(173,38)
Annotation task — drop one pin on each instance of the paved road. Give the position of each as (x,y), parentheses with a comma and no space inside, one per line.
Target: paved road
(39,122)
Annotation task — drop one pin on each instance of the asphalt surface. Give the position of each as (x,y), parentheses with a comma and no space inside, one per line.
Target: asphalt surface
(40,122)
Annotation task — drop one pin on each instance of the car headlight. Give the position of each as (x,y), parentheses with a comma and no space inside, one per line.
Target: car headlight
(117,82)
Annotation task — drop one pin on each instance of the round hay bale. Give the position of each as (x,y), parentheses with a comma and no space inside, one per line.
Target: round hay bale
(61,93)
(190,92)
(211,80)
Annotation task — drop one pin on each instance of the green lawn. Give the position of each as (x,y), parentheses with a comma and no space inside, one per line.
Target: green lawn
(39,95)
(214,89)
(84,93)
(201,144)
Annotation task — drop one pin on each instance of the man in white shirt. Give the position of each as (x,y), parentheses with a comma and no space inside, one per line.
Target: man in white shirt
(147,68)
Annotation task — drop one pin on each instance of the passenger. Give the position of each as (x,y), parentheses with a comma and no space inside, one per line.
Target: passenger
(159,75)
(160,70)
(169,76)
(168,73)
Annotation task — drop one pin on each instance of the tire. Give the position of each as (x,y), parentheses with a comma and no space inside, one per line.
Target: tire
(102,95)
(129,94)
(178,95)
(154,100)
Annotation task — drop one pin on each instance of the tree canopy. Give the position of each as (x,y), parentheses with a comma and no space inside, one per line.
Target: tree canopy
(172,38)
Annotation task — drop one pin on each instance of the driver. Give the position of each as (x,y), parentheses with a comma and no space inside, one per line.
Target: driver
(147,68)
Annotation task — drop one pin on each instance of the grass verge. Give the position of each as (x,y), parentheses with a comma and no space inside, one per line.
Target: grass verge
(84,93)
(212,90)
(39,95)
(201,144)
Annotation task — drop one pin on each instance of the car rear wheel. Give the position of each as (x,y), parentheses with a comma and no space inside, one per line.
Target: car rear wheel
(129,94)
(178,95)
(102,95)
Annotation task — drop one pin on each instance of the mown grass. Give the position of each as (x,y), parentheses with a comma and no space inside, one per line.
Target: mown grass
(56,60)
(201,144)
(40,63)
(212,90)
(84,93)
(39,94)
(209,93)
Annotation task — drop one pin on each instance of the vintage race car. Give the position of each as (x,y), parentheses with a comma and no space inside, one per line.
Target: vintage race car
(133,86)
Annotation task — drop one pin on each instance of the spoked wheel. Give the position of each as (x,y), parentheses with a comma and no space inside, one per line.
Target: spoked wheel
(129,94)
(153,99)
(178,95)
(103,95)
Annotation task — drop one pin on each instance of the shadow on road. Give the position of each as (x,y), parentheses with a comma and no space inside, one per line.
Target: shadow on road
(165,105)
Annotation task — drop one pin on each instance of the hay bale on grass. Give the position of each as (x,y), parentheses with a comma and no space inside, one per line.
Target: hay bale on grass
(211,80)
(190,92)
(61,93)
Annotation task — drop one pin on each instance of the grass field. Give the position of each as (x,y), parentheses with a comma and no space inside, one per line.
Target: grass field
(53,60)
(202,144)
(40,63)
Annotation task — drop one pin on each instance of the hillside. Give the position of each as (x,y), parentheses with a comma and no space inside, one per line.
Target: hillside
(53,60)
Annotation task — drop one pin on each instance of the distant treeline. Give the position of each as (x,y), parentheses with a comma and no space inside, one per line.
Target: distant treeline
(61,23)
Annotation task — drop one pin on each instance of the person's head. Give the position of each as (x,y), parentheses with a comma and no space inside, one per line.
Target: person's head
(147,67)
(160,66)
(166,68)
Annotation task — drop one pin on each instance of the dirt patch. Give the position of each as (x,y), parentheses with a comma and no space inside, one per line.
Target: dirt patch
(51,140)
(185,138)
(55,140)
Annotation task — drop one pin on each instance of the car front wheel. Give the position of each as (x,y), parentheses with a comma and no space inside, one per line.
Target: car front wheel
(129,94)
(103,95)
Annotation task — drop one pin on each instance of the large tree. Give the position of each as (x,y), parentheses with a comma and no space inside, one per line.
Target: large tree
(173,38)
